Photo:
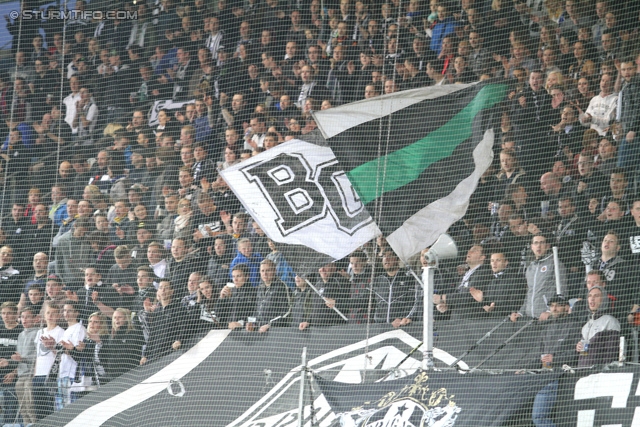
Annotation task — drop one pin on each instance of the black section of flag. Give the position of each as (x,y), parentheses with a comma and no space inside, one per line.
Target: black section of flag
(434,398)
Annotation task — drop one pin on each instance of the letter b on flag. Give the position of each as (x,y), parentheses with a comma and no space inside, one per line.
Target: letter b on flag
(301,193)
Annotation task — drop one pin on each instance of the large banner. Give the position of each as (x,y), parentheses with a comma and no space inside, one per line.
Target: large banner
(253,380)
(607,398)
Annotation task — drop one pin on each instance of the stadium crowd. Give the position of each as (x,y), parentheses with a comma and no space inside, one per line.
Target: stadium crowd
(123,241)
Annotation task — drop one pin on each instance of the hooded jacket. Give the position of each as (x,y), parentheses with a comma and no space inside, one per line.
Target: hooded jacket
(602,332)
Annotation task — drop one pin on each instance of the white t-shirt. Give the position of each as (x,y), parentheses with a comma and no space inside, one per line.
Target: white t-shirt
(75,335)
(44,356)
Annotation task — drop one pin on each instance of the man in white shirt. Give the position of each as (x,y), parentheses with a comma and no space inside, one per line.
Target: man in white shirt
(71,102)
(601,111)
(71,339)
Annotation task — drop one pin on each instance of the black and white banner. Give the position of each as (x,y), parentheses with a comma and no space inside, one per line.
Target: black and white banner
(300,195)
(243,379)
(166,104)
(610,398)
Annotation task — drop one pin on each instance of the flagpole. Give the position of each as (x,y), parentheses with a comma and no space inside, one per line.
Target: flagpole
(320,295)
(303,373)
(427,324)
(556,264)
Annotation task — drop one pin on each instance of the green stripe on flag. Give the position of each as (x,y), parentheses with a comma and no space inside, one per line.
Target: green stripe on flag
(390,172)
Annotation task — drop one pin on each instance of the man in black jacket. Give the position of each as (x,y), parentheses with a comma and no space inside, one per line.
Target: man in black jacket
(505,292)
(556,349)
(332,291)
(237,302)
(628,114)
(396,294)
(272,300)
(460,303)
(94,296)
(170,323)
(532,116)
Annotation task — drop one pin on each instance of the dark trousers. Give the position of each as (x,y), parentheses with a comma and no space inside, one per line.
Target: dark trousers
(42,397)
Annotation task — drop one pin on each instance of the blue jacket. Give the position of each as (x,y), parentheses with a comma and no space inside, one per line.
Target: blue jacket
(440,31)
(254,267)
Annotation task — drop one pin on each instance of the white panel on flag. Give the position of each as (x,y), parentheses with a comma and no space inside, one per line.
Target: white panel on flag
(299,195)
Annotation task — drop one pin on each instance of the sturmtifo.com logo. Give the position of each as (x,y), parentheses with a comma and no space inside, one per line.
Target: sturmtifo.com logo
(74,15)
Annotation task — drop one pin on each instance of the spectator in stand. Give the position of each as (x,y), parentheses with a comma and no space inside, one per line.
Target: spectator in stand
(58,210)
(360,277)
(122,276)
(333,291)
(630,239)
(47,340)
(446,25)
(532,116)
(459,302)
(601,111)
(189,300)
(88,354)
(619,191)
(122,348)
(9,333)
(39,278)
(180,266)
(10,280)
(169,324)
(556,349)
(628,114)
(273,305)
(93,296)
(504,293)
(601,334)
(541,281)
(237,300)
(249,259)
(397,295)
(71,338)
(23,361)
(17,230)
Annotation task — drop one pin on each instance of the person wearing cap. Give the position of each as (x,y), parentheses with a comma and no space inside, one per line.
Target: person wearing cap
(139,218)
(557,348)
(143,237)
